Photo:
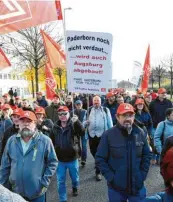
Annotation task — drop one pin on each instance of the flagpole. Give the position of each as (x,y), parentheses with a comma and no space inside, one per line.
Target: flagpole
(64,29)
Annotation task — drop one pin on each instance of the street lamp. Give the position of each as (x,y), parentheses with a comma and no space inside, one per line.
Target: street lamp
(64,28)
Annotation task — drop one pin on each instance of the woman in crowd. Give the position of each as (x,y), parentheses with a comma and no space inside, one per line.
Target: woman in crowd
(163,131)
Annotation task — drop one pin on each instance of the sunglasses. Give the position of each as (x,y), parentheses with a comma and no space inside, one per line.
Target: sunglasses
(62,113)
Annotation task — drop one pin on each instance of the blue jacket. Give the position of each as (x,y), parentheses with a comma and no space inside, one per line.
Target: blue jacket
(4,125)
(145,118)
(123,159)
(168,131)
(158,109)
(28,174)
(42,103)
(113,110)
(160,197)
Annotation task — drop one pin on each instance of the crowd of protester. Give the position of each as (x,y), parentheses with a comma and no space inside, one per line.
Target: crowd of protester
(126,135)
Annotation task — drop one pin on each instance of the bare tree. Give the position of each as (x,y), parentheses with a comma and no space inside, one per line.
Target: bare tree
(27,48)
(158,72)
(60,72)
(168,64)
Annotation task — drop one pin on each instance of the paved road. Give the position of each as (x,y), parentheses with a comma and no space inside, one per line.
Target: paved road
(92,191)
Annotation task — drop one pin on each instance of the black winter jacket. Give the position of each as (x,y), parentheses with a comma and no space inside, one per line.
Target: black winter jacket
(49,124)
(66,140)
(157,110)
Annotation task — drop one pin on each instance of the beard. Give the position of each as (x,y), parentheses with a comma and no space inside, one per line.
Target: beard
(128,126)
(25,132)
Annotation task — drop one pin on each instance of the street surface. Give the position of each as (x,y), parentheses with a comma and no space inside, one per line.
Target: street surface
(92,191)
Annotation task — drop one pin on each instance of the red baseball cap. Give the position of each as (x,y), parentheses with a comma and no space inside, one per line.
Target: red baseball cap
(63,108)
(18,112)
(161,90)
(40,110)
(139,101)
(110,94)
(125,108)
(5,106)
(29,114)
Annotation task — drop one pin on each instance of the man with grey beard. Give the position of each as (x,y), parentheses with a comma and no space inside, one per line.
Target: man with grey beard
(29,161)
(123,157)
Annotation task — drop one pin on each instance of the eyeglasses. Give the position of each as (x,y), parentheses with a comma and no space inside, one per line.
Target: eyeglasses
(62,114)
(126,116)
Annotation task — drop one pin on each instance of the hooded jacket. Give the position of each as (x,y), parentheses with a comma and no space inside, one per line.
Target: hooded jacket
(66,140)
(28,173)
(123,159)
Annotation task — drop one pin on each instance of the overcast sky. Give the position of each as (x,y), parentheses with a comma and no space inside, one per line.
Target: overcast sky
(133,23)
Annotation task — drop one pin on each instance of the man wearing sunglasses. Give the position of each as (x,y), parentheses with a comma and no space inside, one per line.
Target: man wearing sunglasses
(123,157)
(65,137)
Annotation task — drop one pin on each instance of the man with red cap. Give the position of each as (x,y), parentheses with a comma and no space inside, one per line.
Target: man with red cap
(29,161)
(111,104)
(51,111)
(123,157)
(12,130)
(157,110)
(65,136)
(42,102)
(43,124)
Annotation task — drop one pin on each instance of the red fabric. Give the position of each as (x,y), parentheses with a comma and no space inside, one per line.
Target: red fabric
(125,108)
(58,9)
(167,165)
(50,82)
(4,62)
(24,14)
(146,72)
(154,96)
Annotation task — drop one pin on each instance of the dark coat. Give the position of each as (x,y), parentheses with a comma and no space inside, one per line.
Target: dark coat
(49,124)
(157,110)
(52,113)
(42,103)
(66,140)
(8,133)
(123,159)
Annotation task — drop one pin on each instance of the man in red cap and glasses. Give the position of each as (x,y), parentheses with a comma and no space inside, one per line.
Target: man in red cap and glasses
(29,161)
(65,136)
(123,157)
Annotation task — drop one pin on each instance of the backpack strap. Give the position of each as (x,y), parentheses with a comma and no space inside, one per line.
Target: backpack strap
(162,135)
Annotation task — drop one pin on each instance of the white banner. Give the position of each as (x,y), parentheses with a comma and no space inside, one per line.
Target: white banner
(88,61)
(136,73)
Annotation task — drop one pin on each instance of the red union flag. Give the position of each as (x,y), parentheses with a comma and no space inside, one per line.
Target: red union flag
(20,14)
(54,51)
(4,62)
(146,72)
(50,82)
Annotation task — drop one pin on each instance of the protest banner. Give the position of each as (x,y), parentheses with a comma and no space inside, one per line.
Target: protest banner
(88,61)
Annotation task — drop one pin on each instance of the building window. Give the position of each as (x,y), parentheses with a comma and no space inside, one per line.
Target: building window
(5,76)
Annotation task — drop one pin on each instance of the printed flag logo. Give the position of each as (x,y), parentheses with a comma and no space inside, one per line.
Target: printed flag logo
(126,107)
(51,82)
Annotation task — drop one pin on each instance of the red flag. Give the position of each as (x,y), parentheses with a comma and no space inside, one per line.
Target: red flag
(4,62)
(146,72)
(58,9)
(16,14)
(54,51)
(50,82)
